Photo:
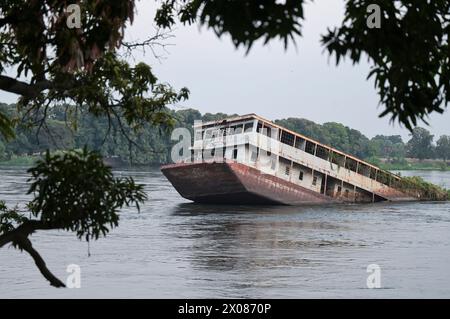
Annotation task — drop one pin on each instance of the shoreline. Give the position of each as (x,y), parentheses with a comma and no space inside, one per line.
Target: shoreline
(114,162)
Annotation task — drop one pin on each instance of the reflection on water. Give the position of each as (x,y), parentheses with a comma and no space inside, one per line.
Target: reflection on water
(174,248)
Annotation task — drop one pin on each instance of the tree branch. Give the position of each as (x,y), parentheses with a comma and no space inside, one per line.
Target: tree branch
(25,244)
(152,42)
(24,230)
(22,88)
(19,237)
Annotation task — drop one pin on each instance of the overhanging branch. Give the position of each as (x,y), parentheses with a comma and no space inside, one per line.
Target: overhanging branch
(12,85)
(19,237)
(25,244)
(24,230)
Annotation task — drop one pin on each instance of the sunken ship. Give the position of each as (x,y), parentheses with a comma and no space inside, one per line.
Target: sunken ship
(251,160)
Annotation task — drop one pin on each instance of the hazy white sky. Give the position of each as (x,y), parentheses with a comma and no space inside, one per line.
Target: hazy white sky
(270,81)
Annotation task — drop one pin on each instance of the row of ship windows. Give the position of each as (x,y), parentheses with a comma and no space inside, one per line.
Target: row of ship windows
(233,129)
(380,176)
(336,158)
(215,132)
(349,163)
(302,144)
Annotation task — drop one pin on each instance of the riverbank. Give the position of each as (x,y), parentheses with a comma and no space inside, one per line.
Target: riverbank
(407,164)
(30,160)
(21,160)
(411,164)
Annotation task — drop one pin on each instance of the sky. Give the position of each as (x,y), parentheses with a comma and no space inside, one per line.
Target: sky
(270,81)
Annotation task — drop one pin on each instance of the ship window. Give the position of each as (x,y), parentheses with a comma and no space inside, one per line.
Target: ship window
(373,173)
(351,164)
(314,182)
(339,190)
(273,164)
(254,155)
(235,129)
(299,143)
(363,169)
(287,138)
(322,152)
(288,170)
(300,176)
(347,192)
(248,127)
(337,158)
(264,130)
(267,131)
(310,147)
(259,127)
(212,133)
(235,153)
(383,177)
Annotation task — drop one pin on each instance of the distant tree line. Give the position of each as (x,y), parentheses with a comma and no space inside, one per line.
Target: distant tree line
(152,145)
(391,147)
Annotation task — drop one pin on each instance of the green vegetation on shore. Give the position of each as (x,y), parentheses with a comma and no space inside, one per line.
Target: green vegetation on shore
(152,145)
(408,164)
(20,160)
(419,188)
(415,166)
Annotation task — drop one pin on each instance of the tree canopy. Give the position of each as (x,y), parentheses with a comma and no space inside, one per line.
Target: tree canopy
(420,143)
(443,147)
(409,53)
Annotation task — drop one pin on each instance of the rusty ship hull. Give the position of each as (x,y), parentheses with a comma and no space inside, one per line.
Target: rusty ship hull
(236,183)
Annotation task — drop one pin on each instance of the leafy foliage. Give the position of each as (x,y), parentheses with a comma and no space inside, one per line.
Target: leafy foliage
(6,127)
(244,20)
(443,147)
(79,66)
(390,147)
(420,143)
(418,187)
(9,218)
(76,191)
(409,54)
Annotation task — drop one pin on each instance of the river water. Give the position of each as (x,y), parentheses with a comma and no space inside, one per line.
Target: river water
(176,249)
